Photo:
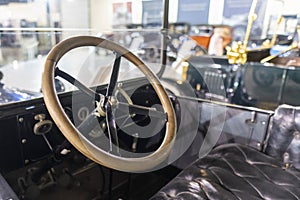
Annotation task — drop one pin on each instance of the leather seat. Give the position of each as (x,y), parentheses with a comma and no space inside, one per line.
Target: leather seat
(234,171)
(284,135)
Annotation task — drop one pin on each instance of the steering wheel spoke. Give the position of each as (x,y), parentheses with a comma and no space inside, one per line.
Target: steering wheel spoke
(141,110)
(112,130)
(114,76)
(78,84)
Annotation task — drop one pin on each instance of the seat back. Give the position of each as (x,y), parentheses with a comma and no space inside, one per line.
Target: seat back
(272,85)
(284,136)
(211,77)
(261,83)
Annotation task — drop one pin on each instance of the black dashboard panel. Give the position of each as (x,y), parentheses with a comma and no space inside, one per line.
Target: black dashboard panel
(19,145)
(10,149)
(22,141)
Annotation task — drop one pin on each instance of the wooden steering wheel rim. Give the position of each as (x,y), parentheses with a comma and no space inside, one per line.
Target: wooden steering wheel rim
(71,133)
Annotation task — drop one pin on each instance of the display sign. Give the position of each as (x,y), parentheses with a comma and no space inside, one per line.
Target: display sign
(236,14)
(193,11)
(236,7)
(122,14)
(3,2)
(152,12)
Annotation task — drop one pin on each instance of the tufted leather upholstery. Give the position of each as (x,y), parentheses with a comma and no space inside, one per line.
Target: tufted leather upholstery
(284,135)
(236,171)
(233,171)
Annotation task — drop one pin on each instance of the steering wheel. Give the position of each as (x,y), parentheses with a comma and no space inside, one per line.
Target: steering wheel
(73,134)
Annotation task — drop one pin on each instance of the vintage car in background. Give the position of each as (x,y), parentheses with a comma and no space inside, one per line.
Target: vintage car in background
(12,95)
(98,120)
(202,34)
(178,41)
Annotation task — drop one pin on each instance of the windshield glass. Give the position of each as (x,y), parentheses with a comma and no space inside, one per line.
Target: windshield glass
(24,51)
(221,48)
(29,30)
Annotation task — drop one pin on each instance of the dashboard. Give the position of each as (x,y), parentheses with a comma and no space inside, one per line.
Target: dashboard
(31,143)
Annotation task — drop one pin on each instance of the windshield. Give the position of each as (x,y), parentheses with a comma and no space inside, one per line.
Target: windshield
(29,30)
(24,51)
(200,34)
